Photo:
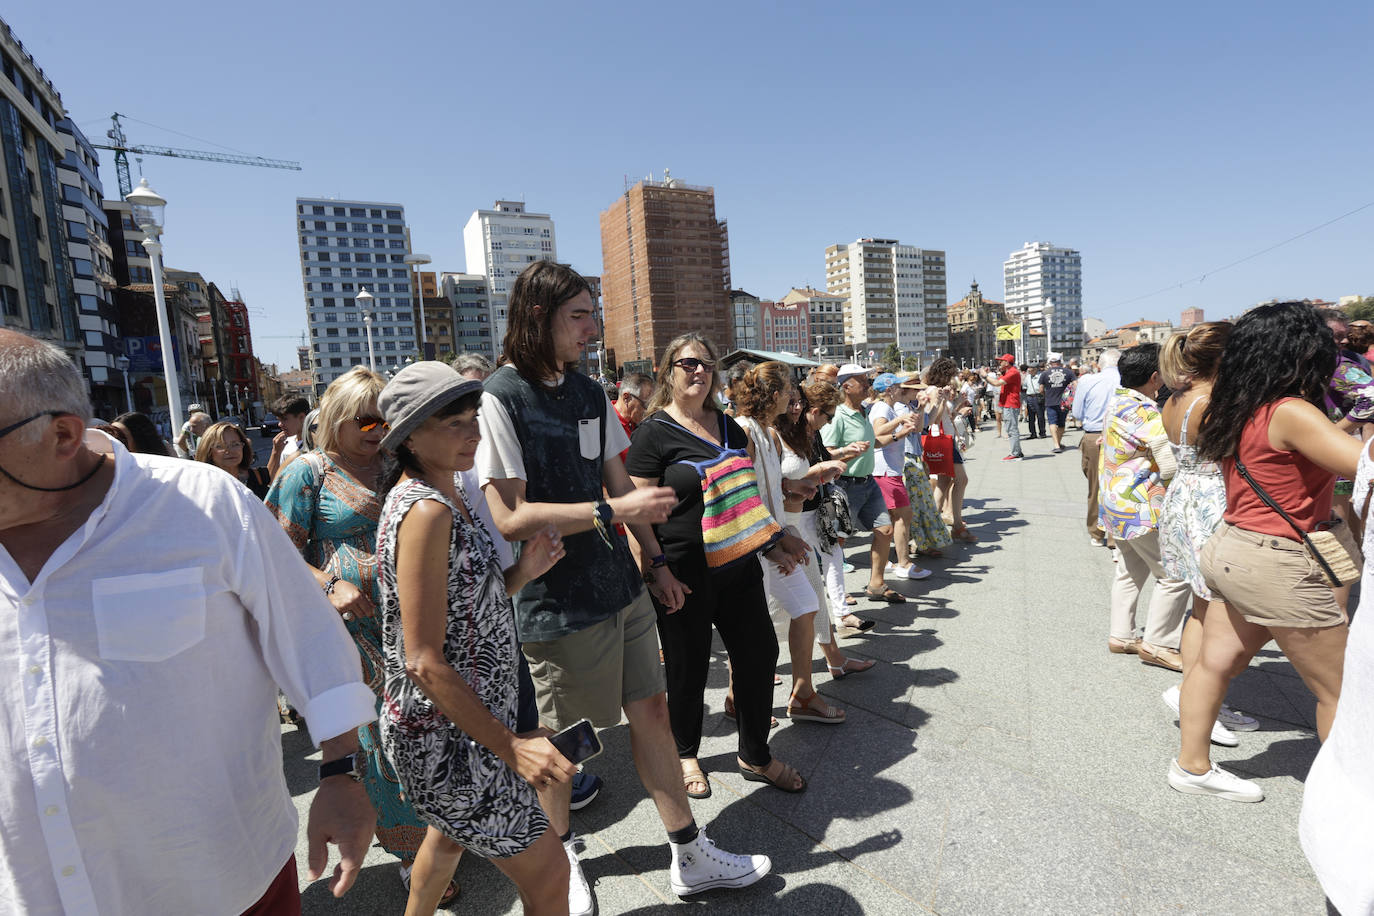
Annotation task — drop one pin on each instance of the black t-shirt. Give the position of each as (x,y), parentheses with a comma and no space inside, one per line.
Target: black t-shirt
(657,447)
(1054,380)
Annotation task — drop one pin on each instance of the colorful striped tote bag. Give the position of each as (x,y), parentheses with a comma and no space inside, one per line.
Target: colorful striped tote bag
(735,523)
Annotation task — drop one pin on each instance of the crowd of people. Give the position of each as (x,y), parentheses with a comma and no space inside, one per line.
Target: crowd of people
(438,574)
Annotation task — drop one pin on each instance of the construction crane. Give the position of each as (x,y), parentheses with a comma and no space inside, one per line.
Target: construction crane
(119,143)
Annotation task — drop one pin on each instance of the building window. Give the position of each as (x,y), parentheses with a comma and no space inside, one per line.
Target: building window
(9,301)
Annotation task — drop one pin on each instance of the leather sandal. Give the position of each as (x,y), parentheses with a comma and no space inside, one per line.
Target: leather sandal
(1123,646)
(784,777)
(692,773)
(814,709)
(961,533)
(850,666)
(1160,657)
(887,594)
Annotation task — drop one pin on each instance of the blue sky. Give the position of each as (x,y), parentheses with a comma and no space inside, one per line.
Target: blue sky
(1162,140)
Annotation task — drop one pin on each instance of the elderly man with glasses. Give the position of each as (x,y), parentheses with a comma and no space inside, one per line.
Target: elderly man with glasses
(149,608)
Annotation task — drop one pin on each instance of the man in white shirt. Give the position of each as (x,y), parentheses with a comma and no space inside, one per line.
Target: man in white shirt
(1090,407)
(149,608)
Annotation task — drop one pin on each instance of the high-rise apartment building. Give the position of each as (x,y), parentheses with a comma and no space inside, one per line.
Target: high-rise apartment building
(825,314)
(347,246)
(1042,278)
(471,308)
(786,326)
(893,293)
(666,269)
(744,319)
(35,272)
(500,243)
(88,246)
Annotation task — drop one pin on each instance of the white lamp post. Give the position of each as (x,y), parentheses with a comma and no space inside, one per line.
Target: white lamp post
(364,301)
(415,262)
(122,364)
(148,209)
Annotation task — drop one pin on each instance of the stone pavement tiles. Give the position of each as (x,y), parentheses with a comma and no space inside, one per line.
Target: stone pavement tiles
(996,760)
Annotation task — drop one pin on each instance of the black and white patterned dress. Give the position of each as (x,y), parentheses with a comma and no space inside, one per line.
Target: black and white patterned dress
(455,784)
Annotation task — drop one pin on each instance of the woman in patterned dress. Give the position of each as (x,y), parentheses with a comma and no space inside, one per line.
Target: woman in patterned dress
(1196,498)
(450,691)
(328,504)
(929,532)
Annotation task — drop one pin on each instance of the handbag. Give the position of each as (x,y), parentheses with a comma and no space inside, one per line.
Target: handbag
(735,523)
(1323,546)
(833,521)
(937,450)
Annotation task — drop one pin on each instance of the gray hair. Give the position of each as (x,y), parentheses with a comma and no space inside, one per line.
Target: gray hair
(1109,359)
(464,363)
(36,376)
(635,384)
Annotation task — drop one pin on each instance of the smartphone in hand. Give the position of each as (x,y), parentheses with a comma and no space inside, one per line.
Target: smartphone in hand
(577,742)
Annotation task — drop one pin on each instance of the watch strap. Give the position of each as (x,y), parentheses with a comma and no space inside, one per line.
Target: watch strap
(344,766)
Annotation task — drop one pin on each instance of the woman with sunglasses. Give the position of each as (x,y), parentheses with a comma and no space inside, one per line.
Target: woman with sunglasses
(226,447)
(328,503)
(685,424)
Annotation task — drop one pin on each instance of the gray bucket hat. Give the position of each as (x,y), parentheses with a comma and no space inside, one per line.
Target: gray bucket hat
(416,393)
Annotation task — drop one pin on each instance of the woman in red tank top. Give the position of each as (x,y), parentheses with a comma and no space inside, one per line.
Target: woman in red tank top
(1264,410)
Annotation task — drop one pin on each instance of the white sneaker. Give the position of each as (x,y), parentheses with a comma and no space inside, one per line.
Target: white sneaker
(1220,733)
(580,900)
(700,865)
(1214,782)
(1237,721)
(913,572)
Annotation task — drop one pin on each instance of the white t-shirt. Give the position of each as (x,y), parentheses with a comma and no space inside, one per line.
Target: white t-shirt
(499,456)
(887,459)
(481,511)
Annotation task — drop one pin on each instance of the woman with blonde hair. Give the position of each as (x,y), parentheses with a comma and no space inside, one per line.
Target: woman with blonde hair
(327,501)
(226,447)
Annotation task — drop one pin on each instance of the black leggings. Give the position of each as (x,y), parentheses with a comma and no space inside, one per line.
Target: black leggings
(734,602)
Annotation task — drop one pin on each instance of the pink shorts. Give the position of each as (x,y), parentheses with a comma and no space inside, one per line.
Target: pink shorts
(894,491)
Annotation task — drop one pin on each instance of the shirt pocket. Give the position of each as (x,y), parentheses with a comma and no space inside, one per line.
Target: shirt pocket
(149,617)
(589,439)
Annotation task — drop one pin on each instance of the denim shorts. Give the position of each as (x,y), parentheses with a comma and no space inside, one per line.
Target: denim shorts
(867,510)
(1056,415)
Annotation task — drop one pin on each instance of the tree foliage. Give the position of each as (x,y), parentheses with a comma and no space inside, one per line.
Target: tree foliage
(1362,308)
(892,356)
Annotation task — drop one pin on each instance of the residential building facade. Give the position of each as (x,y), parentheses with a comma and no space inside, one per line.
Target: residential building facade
(470,305)
(1192,316)
(785,326)
(499,244)
(825,315)
(347,246)
(973,323)
(893,293)
(36,293)
(666,269)
(744,319)
(1043,280)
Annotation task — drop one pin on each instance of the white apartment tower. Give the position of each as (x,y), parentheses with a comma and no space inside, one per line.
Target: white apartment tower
(892,293)
(347,246)
(500,243)
(1041,278)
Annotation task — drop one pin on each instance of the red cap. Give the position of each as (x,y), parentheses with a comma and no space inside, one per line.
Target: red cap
(1008,357)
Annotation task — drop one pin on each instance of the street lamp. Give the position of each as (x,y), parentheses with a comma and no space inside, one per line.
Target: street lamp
(415,262)
(122,364)
(364,301)
(148,210)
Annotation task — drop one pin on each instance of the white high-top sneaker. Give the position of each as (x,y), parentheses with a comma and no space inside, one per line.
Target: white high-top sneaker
(580,899)
(700,865)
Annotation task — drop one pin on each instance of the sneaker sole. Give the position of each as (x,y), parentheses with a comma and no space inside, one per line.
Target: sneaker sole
(753,877)
(579,805)
(1187,789)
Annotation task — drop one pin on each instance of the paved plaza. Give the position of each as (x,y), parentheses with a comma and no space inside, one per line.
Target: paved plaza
(996,760)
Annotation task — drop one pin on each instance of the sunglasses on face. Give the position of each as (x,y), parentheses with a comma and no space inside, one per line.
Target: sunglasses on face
(692,364)
(368,424)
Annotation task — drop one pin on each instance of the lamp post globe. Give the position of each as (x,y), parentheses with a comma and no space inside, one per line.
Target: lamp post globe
(148,211)
(122,364)
(149,207)
(364,302)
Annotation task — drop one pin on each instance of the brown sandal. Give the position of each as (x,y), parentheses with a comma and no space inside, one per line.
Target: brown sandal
(691,774)
(961,533)
(785,778)
(814,709)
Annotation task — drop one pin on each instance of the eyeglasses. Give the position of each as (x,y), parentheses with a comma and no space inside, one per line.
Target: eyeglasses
(13,426)
(692,364)
(368,424)
(227,444)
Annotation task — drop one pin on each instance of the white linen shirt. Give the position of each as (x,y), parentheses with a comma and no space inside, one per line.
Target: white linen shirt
(138,713)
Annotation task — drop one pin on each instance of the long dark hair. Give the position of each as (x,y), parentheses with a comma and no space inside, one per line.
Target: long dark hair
(143,432)
(403,460)
(1275,351)
(529,330)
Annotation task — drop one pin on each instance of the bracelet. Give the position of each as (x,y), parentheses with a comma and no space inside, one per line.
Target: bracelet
(659,561)
(329,586)
(601,512)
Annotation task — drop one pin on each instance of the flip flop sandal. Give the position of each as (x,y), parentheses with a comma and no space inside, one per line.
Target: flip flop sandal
(844,671)
(887,594)
(785,778)
(694,774)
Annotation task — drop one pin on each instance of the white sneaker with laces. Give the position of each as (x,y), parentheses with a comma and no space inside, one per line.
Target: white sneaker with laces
(701,865)
(1220,733)
(1236,720)
(1214,782)
(580,899)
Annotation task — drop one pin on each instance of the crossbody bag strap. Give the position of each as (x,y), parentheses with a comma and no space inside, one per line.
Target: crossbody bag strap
(1268,501)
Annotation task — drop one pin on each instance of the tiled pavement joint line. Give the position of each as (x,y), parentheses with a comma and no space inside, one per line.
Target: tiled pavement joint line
(639,875)
(940,858)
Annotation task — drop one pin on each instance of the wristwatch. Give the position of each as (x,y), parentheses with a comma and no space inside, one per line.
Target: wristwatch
(351,765)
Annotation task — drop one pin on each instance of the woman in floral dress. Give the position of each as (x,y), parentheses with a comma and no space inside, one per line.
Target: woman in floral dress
(327,503)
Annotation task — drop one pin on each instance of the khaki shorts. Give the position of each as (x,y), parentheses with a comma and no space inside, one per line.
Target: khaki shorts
(1272,581)
(593,673)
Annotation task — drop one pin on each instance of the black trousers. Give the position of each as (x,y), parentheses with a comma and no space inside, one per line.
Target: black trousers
(733,601)
(1035,414)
